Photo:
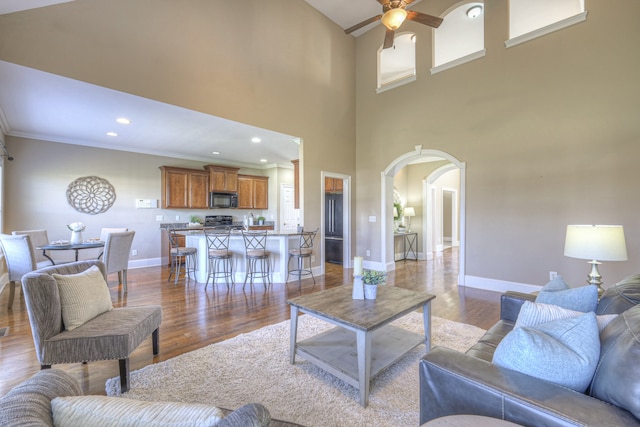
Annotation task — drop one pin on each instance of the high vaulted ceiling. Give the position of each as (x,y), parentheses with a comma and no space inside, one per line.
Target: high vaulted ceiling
(80,113)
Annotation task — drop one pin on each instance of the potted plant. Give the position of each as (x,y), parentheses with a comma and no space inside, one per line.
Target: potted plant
(261,220)
(194,221)
(372,279)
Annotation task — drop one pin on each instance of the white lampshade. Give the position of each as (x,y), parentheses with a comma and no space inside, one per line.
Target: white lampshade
(393,18)
(409,211)
(596,242)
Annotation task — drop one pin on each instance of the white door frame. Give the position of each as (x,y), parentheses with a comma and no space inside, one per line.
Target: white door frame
(346,217)
(386,198)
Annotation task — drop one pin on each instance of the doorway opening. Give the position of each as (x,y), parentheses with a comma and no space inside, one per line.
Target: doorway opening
(428,243)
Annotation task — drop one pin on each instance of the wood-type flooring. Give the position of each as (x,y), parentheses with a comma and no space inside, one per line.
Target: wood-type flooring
(194,317)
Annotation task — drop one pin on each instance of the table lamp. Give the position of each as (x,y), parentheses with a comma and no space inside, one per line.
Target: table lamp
(409,212)
(595,243)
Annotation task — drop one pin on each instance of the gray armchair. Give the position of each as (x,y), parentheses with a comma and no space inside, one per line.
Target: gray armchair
(113,334)
(116,254)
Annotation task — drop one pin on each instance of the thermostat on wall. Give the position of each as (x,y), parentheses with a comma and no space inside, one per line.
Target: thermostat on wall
(146,204)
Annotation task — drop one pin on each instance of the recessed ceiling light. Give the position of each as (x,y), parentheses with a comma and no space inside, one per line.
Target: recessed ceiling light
(215,152)
(474,11)
(255,139)
(112,134)
(123,120)
(263,160)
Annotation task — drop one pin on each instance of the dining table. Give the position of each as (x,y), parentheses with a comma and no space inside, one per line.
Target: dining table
(67,246)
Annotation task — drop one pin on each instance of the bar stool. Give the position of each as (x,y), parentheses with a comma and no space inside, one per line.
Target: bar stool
(257,257)
(180,254)
(303,251)
(219,255)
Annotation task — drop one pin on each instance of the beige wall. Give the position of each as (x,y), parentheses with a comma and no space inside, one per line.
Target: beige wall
(548,131)
(280,65)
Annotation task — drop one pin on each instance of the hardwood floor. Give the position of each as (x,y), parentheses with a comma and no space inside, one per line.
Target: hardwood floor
(193,317)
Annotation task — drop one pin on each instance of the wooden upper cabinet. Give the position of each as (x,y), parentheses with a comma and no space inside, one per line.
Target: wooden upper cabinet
(223,178)
(333,185)
(253,192)
(296,183)
(184,188)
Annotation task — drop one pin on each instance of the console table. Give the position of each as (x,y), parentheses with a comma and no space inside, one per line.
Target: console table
(409,245)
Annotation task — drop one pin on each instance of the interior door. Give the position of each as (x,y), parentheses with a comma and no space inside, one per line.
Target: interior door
(290,217)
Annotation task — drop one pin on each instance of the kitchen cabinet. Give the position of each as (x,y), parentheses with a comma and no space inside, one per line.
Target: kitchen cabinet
(184,188)
(253,192)
(333,185)
(296,183)
(223,178)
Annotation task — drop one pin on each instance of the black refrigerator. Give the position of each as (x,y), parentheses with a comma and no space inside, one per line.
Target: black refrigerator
(333,228)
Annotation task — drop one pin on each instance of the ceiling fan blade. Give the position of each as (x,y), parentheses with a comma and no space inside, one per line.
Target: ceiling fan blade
(383,2)
(388,39)
(362,24)
(423,18)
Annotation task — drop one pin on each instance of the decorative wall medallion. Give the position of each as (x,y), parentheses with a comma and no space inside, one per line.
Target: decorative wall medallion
(91,194)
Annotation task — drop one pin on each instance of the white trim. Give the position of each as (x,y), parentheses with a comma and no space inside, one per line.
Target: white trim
(499,285)
(572,20)
(458,61)
(386,190)
(396,83)
(142,263)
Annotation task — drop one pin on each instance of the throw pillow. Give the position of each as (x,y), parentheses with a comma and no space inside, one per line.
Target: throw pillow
(83,296)
(103,411)
(557,292)
(532,313)
(564,351)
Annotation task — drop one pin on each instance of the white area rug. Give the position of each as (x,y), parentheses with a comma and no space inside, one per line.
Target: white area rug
(255,367)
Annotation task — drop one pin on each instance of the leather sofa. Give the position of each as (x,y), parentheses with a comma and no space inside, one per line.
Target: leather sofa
(29,404)
(468,383)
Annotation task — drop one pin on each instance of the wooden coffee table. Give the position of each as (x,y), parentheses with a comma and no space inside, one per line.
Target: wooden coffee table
(364,343)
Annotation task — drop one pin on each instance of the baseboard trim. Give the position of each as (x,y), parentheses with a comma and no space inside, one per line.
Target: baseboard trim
(142,263)
(496,285)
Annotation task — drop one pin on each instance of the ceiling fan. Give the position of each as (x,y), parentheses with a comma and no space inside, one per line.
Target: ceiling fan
(393,15)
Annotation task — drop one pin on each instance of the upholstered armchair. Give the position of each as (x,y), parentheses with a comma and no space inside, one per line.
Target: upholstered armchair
(62,336)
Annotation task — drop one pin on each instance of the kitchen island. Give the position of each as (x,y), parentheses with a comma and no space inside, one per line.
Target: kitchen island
(278,245)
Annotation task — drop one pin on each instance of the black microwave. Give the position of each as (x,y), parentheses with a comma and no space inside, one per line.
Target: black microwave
(223,200)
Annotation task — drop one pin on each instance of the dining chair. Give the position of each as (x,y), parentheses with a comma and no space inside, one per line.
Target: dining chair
(220,263)
(104,233)
(117,248)
(20,259)
(38,238)
(257,257)
(180,254)
(302,251)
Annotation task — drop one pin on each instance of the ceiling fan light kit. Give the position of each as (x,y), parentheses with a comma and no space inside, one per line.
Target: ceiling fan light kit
(393,18)
(474,11)
(394,13)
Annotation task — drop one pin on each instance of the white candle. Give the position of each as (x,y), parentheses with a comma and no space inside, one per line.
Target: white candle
(357,266)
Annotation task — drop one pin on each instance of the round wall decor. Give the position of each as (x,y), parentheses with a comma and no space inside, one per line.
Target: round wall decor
(91,194)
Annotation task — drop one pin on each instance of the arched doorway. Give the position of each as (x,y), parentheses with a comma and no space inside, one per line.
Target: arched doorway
(419,154)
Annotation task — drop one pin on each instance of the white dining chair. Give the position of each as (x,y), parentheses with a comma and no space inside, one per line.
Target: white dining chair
(38,238)
(117,248)
(105,231)
(20,258)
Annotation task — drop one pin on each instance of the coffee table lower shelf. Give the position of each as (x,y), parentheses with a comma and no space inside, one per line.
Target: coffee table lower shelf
(335,350)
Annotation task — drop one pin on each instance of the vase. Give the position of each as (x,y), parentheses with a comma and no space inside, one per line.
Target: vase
(76,237)
(358,292)
(370,291)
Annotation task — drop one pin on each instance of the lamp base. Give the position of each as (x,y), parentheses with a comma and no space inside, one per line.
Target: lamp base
(594,277)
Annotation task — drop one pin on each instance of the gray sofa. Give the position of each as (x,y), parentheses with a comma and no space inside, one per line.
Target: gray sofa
(468,383)
(29,403)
